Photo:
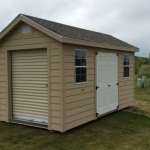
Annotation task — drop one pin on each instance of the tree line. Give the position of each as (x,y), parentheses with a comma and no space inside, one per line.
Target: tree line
(139,61)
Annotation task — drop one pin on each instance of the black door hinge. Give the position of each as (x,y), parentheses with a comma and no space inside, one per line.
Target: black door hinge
(117,83)
(97,87)
(117,107)
(97,114)
(96,53)
(117,54)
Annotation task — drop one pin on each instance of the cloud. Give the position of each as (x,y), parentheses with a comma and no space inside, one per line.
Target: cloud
(125,19)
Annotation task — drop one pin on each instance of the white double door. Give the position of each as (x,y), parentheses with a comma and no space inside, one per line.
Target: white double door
(107,82)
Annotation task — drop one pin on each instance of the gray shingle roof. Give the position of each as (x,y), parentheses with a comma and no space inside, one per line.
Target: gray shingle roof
(78,33)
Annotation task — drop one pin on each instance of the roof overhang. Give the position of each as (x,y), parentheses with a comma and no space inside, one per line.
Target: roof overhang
(56,36)
(98,45)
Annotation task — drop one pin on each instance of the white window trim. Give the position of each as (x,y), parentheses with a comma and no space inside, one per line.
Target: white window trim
(81,67)
(126,65)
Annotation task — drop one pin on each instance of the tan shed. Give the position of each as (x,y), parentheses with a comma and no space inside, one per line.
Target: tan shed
(58,77)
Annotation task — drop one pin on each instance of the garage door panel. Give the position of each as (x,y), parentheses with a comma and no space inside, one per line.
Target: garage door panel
(28,115)
(30,94)
(28,73)
(26,103)
(31,109)
(29,79)
(29,86)
(29,76)
(29,97)
(22,61)
(29,70)
(28,64)
(33,83)
(15,91)
(29,55)
(28,67)
(27,100)
(19,85)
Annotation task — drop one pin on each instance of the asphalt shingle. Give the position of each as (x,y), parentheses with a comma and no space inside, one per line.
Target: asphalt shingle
(71,32)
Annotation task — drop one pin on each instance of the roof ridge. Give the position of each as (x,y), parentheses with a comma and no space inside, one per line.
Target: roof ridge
(65,24)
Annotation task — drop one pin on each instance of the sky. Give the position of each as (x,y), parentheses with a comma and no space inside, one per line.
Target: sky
(128,20)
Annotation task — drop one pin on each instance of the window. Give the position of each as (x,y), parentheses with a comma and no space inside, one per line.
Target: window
(126,65)
(80,66)
(25,29)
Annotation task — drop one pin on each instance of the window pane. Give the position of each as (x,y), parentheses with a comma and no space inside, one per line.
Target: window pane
(83,78)
(78,62)
(126,74)
(126,71)
(84,54)
(83,62)
(83,71)
(78,78)
(78,71)
(126,62)
(78,54)
(126,57)
(25,29)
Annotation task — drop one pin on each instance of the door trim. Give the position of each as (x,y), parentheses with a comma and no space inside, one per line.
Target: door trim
(8,77)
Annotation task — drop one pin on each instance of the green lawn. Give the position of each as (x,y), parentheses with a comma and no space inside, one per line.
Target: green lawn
(117,131)
(142,94)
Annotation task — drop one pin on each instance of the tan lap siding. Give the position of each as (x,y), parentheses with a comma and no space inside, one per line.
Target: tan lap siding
(79,98)
(126,85)
(13,41)
(55,87)
(3,113)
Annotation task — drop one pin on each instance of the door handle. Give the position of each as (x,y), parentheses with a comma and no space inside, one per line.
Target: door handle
(109,85)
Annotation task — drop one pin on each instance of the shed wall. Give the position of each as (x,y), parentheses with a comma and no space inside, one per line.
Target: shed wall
(36,39)
(80,99)
(55,86)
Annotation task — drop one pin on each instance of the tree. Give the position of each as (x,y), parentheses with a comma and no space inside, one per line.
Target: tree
(139,61)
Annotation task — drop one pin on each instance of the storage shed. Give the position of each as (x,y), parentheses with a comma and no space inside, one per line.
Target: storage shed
(58,77)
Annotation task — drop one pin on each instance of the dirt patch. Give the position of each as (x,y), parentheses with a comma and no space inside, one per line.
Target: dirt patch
(140,107)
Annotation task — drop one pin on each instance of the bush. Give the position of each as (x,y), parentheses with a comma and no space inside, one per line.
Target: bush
(138,63)
(144,71)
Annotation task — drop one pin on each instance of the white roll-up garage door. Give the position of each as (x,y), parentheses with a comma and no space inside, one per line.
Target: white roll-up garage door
(29,86)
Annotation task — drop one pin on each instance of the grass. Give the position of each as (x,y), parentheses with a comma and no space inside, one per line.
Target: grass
(118,131)
(142,94)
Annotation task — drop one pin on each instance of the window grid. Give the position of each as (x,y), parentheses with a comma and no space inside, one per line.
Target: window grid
(126,61)
(80,66)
